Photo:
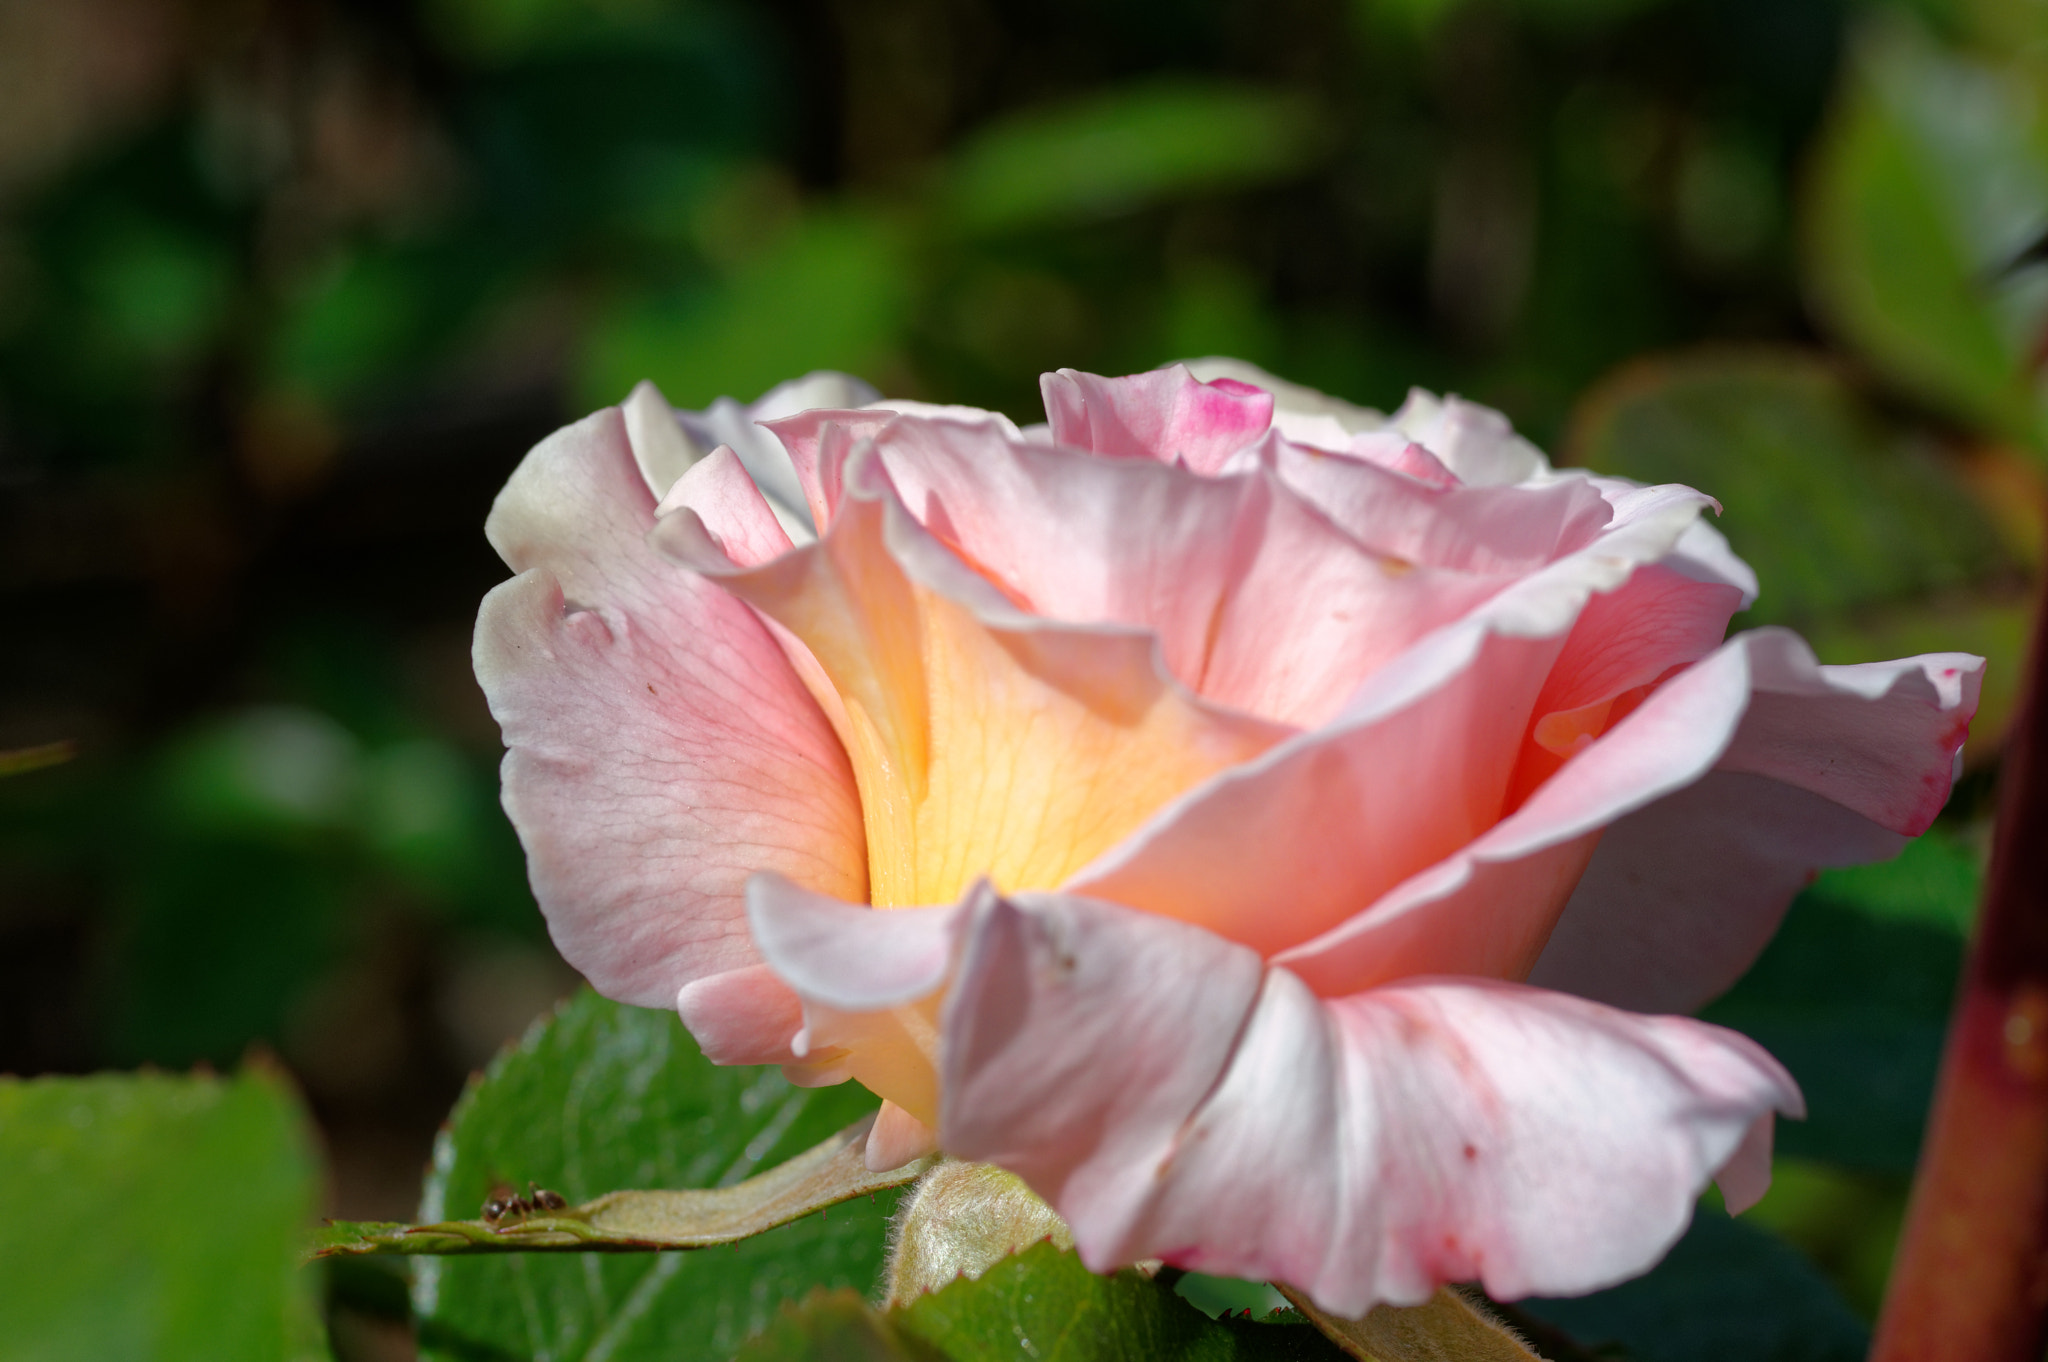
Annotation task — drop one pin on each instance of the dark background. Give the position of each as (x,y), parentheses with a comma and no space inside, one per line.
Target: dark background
(287,289)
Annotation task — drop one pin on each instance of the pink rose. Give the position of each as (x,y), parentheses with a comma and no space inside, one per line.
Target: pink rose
(1283,804)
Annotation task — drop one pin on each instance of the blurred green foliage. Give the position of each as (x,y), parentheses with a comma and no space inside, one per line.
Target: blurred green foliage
(156,1217)
(1928,203)
(286,291)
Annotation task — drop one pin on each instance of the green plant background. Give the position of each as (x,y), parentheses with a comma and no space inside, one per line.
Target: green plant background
(287,289)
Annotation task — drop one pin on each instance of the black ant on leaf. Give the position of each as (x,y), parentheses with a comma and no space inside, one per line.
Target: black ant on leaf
(504,1204)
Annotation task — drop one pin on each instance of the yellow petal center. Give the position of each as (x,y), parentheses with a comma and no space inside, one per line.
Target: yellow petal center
(980,750)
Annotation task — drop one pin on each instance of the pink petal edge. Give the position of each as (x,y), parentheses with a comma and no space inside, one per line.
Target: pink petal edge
(1167,415)
(1830,766)
(1286,847)
(1366,1149)
(659,748)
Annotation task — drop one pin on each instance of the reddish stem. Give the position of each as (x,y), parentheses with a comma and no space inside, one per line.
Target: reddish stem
(1970,1282)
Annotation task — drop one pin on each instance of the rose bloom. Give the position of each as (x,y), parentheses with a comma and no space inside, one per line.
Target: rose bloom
(1296,825)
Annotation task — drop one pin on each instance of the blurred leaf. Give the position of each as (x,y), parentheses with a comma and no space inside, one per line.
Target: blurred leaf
(155,1216)
(2015,29)
(218,938)
(1726,1290)
(1935,882)
(231,895)
(350,326)
(277,768)
(600,1098)
(1837,515)
(1124,149)
(1213,308)
(1727,200)
(429,812)
(833,293)
(162,291)
(1931,182)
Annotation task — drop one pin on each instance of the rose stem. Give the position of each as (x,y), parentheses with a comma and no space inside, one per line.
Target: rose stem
(1970,1280)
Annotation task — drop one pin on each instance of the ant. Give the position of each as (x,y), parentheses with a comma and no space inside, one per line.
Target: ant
(505,1203)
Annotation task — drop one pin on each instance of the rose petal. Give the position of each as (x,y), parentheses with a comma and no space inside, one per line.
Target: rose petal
(896,1138)
(1365,1149)
(1167,415)
(1303,415)
(868,981)
(1703,555)
(1257,600)
(1405,457)
(662,450)
(1830,766)
(742,1016)
(850,956)
(1370,1149)
(1488,907)
(660,749)
(1625,640)
(732,508)
(1672,912)
(1473,529)
(1418,766)
(726,422)
(1683,895)
(1078,1038)
(1882,738)
(1476,443)
(804,437)
(967,719)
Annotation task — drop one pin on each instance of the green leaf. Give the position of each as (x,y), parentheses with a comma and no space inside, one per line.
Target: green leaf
(832,1172)
(1931,180)
(1124,149)
(1041,1304)
(155,1216)
(1837,513)
(1044,1303)
(602,1098)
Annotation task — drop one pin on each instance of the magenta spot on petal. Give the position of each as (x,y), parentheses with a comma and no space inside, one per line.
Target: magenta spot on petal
(1236,385)
(1222,411)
